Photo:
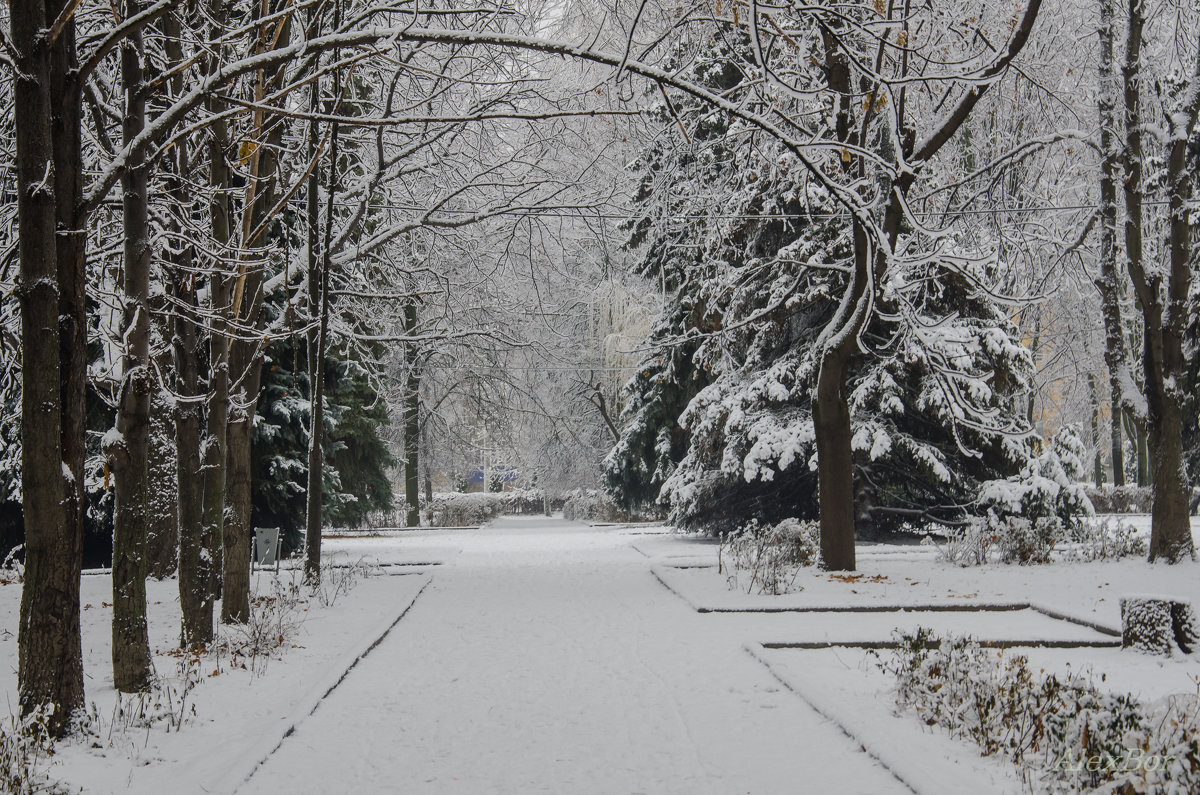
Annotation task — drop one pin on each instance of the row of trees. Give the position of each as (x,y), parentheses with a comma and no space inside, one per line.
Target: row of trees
(274,181)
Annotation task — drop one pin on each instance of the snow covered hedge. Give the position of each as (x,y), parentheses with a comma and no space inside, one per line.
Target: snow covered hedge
(452,509)
(1065,734)
(591,505)
(1120,499)
(455,509)
(1018,540)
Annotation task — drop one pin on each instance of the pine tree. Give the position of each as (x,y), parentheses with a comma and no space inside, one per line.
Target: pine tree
(719,422)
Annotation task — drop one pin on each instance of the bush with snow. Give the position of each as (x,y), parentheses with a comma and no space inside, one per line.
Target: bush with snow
(768,560)
(457,509)
(1015,539)
(591,505)
(452,509)
(1065,734)
(1120,499)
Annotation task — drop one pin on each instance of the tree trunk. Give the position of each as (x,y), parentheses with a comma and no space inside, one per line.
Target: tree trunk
(318,302)
(195,576)
(1097,457)
(50,667)
(412,425)
(214,446)
(1145,475)
(162,527)
(128,448)
(1134,167)
(1115,357)
(1170,529)
(246,356)
(235,582)
(71,254)
(835,459)
(195,586)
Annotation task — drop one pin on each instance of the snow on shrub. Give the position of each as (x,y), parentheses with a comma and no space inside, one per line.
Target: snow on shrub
(768,559)
(1106,540)
(1120,499)
(1047,488)
(1065,735)
(1028,514)
(590,505)
(456,509)
(1013,539)
(452,509)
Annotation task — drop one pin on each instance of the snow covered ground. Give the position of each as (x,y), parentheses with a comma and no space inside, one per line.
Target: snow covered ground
(536,655)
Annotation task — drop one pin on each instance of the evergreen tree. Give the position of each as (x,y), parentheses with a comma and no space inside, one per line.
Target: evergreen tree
(753,256)
(356,459)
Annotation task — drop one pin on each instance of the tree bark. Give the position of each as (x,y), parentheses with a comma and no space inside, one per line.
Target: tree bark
(412,425)
(1170,529)
(71,252)
(318,301)
(1115,356)
(246,356)
(1097,457)
(127,449)
(214,446)
(195,586)
(50,667)
(162,526)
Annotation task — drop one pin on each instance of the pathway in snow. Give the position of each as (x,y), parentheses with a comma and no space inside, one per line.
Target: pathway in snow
(546,658)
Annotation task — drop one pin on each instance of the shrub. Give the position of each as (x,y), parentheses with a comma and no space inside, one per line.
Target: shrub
(452,509)
(1120,499)
(1014,539)
(1065,734)
(1106,540)
(456,509)
(590,505)
(25,750)
(769,559)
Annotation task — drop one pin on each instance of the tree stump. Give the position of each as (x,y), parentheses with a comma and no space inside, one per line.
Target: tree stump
(1158,625)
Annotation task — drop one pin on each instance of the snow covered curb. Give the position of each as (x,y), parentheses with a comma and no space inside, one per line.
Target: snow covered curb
(240,770)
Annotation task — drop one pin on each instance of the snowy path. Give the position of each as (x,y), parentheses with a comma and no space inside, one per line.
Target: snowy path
(545,657)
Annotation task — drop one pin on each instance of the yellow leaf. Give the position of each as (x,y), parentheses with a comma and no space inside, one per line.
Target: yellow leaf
(845,155)
(246,151)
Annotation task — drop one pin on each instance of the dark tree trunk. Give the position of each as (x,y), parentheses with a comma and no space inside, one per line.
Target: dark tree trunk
(235,593)
(1115,357)
(162,527)
(214,445)
(412,425)
(1097,457)
(1170,530)
(70,251)
(835,471)
(50,667)
(195,586)
(127,450)
(318,301)
(1164,365)
(246,356)
(1145,475)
